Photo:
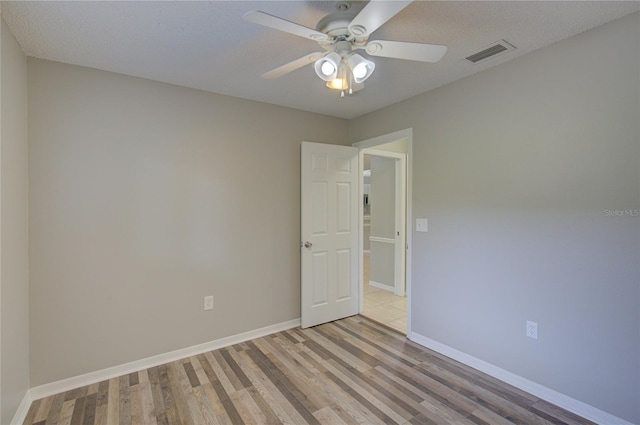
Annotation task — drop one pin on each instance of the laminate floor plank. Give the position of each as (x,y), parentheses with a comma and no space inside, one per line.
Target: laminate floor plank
(388,411)
(214,402)
(78,411)
(55,409)
(217,378)
(346,402)
(113,402)
(157,399)
(66,413)
(90,410)
(490,401)
(369,386)
(270,417)
(244,382)
(293,358)
(305,383)
(206,410)
(191,374)
(377,347)
(436,394)
(185,386)
(197,367)
(300,402)
(43,410)
(349,372)
(228,371)
(146,399)
(136,404)
(170,409)
(326,415)
(325,349)
(248,409)
(555,412)
(280,405)
(218,374)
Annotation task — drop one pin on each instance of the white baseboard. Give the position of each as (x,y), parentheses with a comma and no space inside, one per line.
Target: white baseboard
(23,409)
(63,385)
(579,408)
(381,286)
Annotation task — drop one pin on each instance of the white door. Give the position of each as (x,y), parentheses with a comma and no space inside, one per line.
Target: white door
(329,232)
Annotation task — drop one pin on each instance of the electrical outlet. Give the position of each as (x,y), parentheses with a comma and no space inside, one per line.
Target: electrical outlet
(532,329)
(208,302)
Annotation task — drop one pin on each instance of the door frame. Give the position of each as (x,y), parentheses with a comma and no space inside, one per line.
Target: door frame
(406,134)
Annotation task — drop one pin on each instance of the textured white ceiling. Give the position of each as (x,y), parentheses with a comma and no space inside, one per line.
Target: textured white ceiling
(208,46)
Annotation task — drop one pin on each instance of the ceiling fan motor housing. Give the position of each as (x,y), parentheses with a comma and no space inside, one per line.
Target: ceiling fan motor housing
(336,25)
(343,46)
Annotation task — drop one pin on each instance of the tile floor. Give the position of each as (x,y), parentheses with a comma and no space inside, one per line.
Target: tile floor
(383,306)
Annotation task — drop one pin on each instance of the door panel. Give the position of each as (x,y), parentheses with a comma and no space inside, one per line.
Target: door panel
(319,282)
(329,217)
(343,285)
(319,210)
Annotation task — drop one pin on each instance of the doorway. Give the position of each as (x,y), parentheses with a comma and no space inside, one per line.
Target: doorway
(385,241)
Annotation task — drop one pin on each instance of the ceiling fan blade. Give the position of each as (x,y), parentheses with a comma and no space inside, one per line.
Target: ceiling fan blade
(292,66)
(374,15)
(406,50)
(264,19)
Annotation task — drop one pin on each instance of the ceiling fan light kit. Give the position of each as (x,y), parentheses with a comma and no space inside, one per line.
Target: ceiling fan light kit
(344,72)
(343,32)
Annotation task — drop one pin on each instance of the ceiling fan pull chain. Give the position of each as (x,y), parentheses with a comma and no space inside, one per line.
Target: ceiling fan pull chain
(351,81)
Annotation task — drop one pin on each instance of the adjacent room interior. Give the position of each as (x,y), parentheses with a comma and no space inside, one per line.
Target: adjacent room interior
(383,270)
(146,165)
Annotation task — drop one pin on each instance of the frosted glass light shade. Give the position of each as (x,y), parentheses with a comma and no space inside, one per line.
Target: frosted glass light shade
(360,67)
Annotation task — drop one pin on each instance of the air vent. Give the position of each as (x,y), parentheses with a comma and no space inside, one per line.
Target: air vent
(494,49)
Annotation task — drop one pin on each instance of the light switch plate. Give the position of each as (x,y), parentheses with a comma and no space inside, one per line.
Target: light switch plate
(421,225)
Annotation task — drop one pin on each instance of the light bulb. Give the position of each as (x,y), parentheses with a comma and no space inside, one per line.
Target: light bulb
(336,84)
(328,68)
(360,70)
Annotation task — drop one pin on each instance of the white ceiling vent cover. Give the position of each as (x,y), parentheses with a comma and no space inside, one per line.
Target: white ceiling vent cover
(495,49)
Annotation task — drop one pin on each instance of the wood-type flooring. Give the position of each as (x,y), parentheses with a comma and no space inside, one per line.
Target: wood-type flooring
(352,371)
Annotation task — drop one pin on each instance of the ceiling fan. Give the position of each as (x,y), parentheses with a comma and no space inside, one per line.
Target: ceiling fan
(341,34)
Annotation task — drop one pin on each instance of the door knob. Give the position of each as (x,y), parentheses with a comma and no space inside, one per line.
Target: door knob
(308,244)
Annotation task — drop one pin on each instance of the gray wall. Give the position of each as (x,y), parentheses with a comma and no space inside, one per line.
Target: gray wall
(383,210)
(145,197)
(14,267)
(516,168)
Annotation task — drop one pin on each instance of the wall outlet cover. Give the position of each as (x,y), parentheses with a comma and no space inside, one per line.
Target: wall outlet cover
(532,329)
(208,302)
